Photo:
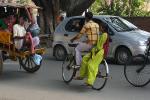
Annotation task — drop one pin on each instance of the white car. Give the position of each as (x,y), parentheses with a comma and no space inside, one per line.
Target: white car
(126,40)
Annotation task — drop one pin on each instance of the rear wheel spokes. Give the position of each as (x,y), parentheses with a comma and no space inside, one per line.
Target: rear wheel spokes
(101,78)
(28,64)
(32,63)
(26,61)
(69,66)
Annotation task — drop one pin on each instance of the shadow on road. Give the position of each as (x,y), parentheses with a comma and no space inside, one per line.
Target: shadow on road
(72,87)
(14,75)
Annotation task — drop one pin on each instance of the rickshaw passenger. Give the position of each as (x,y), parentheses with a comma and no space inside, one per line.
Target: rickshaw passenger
(33,28)
(3,25)
(7,23)
(10,21)
(91,61)
(20,36)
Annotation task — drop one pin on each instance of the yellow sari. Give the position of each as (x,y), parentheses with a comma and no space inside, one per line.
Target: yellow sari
(91,61)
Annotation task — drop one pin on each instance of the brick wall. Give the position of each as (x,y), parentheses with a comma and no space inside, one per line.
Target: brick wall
(142,22)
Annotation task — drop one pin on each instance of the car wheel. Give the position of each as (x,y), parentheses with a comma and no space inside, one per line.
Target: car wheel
(60,53)
(123,55)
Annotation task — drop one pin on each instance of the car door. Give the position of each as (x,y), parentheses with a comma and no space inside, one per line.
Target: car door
(73,27)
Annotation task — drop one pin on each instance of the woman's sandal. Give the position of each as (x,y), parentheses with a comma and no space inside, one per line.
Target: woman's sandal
(87,85)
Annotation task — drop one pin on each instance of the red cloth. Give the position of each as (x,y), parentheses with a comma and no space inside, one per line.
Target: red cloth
(30,40)
(9,25)
(106,46)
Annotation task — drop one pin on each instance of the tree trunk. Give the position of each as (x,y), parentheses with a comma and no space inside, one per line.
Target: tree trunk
(51,10)
(46,14)
(75,7)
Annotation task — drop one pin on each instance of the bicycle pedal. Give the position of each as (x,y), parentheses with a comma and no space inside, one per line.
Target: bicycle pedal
(106,77)
(76,66)
(110,77)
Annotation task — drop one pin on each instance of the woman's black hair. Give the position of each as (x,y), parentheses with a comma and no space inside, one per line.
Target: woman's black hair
(105,27)
(89,15)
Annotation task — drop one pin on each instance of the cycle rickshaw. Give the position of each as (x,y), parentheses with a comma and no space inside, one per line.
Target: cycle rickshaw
(7,44)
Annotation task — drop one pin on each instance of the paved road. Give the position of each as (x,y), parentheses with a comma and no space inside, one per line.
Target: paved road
(47,84)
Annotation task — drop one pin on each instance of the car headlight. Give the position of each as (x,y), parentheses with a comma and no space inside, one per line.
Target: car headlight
(142,43)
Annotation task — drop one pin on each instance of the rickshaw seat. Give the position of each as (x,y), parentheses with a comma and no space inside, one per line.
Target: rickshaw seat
(5,41)
(5,37)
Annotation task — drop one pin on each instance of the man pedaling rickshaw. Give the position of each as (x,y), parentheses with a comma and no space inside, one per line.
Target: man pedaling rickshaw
(95,44)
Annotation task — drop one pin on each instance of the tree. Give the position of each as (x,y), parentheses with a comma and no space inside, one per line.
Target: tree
(51,10)
(75,7)
(120,7)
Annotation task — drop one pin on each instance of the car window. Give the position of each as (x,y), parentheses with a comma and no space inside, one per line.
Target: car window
(75,25)
(130,25)
(98,21)
(117,24)
(110,32)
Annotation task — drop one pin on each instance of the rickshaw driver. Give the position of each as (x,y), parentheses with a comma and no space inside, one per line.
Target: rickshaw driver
(11,20)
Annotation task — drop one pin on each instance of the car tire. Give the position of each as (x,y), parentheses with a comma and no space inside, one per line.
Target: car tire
(123,55)
(60,53)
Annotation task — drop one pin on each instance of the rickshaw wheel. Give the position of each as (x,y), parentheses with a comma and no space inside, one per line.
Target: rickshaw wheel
(29,65)
(1,63)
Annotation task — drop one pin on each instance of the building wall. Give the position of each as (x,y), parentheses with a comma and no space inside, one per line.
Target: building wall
(142,22)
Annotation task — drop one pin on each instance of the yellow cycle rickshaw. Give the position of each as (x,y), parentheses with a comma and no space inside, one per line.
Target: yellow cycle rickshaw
(7,44)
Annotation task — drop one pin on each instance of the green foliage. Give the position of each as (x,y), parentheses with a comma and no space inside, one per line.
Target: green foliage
(95,7)
(120,8)
(23,1)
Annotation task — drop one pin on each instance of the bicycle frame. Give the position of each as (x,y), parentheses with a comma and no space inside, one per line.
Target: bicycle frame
(107,68)
(73,54)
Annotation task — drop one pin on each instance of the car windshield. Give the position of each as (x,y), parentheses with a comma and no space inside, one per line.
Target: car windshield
(120,24)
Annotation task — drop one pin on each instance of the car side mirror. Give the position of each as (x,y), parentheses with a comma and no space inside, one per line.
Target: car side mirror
(110,32)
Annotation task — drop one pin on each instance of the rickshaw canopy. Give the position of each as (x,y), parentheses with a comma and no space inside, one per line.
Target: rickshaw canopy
(17,5)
